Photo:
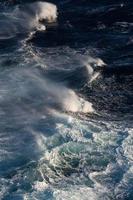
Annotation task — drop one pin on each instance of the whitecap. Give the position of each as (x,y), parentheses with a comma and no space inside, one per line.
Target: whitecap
(25,18)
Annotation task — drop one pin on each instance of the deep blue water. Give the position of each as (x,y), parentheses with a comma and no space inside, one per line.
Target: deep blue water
(50,148)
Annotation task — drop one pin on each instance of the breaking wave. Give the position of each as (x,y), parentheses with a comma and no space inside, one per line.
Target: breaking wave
(25,18)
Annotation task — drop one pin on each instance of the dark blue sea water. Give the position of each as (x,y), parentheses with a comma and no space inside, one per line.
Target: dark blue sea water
(66,100)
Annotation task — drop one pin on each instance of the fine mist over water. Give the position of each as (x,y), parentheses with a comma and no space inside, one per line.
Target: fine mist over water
(66,100)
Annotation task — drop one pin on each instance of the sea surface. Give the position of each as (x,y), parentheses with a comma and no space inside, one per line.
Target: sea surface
(66,101)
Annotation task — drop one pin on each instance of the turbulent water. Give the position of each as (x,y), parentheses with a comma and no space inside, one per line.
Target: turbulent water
(66,100)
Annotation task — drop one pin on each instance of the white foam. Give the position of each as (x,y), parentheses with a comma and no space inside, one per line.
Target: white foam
(75,104)
(66,99)
(33,13)
(47,11)
(26,18)
(57,96)
(128,146)
(40,186)
(91,64)
(78,193)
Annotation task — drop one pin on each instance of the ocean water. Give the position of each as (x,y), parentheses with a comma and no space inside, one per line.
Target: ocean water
(66,100)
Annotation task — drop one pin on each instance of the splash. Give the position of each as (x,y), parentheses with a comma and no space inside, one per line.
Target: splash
(53,95)
(59,96)
(26,18)
(36,13)
(71,102)
(94,66)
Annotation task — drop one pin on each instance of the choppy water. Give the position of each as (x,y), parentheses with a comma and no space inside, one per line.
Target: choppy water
(51,147)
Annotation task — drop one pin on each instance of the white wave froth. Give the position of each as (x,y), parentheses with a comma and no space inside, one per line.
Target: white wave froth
(35,12)
(55,95)
(91,64)
(71,102)
(26,18)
